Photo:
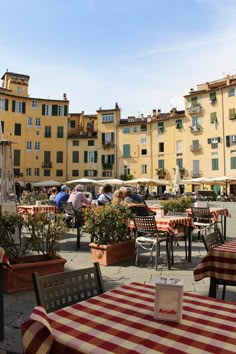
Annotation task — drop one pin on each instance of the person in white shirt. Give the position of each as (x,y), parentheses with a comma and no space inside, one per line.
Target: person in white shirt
(77,198)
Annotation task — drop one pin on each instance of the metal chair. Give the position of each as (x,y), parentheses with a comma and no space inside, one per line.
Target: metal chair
(182,234)
(139,210)
(211,240)
(148,237)
(73,218)
(58,290)
(202,218)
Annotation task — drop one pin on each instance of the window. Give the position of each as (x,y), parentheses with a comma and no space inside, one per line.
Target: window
(196,171)
(160,127)
(72,124)
(60,111)
(195,145)
(161,164)
(143,169)
(232,114)
(28,171)
(75,156)
(29,146)
(16,172)
(107,118)
(59,173)
(230,140)
(126,170)
(90,156)
(59,156)
(36,172)
(214,142)
(126,150)
(135,129)
(194,101)
(213,118)
(3,104)
(90,142)
(179,162)
(18,107)
(106,173)
(108,159)
(144,152)
(47,157)
(126,130)
(231,92)
(47,133)
(46,173)
(38,122)
(16,158)
(34,104)
(215,164)
(212,98)
(75,142)
(19,90)
(29,122)
(195,121)
(75,173)
(143,127)
(143,141)
(107,137)
(178,124)
(90,173)
(17,129)
(233,163)
(161,147)
(37,146)
(46,110)
(2,127)
(60,132)
(179,147)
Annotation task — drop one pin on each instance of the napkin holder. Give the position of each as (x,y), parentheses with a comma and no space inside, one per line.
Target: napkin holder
(168,299)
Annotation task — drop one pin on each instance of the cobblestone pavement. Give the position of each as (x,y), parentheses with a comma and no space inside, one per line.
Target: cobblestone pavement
(18,306)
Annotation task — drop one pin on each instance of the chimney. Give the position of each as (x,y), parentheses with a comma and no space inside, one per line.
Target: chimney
(64,97)
(158,112)
(154,113)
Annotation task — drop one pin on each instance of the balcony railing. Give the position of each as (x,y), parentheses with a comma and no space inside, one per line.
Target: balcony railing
(196,173)
(195,128)
(107,166)
(196,108)
(195,148)
(46,165)
(108,145)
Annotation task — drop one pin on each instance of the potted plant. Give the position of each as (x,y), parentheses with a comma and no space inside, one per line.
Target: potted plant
(31,244)
(110,235)
(177,204)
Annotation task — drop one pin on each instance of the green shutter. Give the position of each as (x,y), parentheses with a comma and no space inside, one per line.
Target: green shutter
(103,137)
(95,156)
(6,104)
(86,173)
(209,140)
(54,110)
(23,107)
(227,140)
(112,137)
(85,156)
(13,106)
(103,159)
(232,114)
(95,173)
(112,158)
(65,110)
(43,109)
(233,163)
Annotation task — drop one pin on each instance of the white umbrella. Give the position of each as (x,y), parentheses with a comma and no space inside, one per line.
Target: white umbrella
(81,181)
(112,182)
(199,180)
(49,183)
(149,181)
(177,180)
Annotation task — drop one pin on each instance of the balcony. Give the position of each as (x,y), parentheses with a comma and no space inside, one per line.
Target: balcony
(107,166)
(46,165)
(161,172)
(195,128)
(194,109)
(108,144)
(196,148)
(196,173)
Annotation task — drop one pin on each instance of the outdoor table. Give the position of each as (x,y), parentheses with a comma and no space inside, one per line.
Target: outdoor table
(220,264)
(169,224)
(32,209)
(121,321)
(216,212)
(3,263)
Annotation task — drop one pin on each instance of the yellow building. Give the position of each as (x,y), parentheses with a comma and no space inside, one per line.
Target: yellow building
(38,129)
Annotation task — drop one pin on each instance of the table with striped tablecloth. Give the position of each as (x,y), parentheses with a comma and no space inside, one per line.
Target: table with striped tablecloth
(219,263)
(32,209)
(121,321)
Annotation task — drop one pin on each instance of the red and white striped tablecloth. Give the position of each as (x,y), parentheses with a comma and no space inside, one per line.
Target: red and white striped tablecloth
(121,321)
(32,209)
(215,213)
(3,258)
(220,263)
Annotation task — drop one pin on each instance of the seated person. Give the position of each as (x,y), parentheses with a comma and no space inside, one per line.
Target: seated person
(131,197)
(106,196)
(77,198)
(62,196)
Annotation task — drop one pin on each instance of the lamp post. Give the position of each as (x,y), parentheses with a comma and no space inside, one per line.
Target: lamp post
(7,183)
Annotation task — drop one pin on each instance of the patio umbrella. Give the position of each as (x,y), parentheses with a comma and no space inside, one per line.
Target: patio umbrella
(177,180)
(199,180)
(148,181)
(223,180)
(49,183)
(81,181)
(112,182)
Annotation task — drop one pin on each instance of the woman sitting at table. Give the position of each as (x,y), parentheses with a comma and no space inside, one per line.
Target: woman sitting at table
(118,197)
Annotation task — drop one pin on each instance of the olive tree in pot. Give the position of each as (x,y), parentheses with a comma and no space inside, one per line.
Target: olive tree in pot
(36,249)
(110,235)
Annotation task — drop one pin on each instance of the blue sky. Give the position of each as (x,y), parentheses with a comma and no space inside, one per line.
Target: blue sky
(143,54)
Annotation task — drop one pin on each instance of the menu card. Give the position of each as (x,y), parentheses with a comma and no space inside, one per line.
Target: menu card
(168,299)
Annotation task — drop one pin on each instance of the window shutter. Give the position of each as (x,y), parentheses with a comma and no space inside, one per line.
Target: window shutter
(86,173)
(227,140)
(112,136)
(112,158)
(85,156)
(13,106)
(103,159)
(54,110)
(95,173)
(218,139)
(65,110)
(209,140)
(95,156)
(23,107)
(103,137)
(43,109)
(6,104)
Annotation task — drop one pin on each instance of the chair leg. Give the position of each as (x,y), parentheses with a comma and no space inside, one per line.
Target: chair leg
(78,238)
(223,292)
(168,253)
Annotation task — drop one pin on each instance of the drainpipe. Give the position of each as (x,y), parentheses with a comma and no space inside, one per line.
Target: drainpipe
(223,131)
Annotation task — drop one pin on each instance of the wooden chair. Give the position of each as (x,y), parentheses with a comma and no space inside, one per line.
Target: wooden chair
(182,234)
(58,290)
(211,240)
(148,237)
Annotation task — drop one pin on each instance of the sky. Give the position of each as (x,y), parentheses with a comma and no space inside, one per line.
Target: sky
(142,54)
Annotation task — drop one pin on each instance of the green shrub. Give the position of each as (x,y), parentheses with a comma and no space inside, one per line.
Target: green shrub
(178,204)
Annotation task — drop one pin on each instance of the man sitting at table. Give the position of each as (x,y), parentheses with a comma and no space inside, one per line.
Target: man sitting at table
(77,198)
(62,196)
(131,197)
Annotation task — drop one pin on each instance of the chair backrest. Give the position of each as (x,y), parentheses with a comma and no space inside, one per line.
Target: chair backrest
(201,213)
(145,224)
(177,213)
(68,208)
(212,239)
(139,210)
(58,290)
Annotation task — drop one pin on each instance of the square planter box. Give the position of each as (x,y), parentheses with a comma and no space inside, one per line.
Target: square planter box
(20,276)
(112,254)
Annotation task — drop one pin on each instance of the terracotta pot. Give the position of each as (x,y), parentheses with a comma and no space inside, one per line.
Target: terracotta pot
(20,276)
(111,254)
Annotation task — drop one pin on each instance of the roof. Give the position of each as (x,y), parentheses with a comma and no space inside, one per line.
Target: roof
(16,75)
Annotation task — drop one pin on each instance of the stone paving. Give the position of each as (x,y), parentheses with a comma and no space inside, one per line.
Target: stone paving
(18,306)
